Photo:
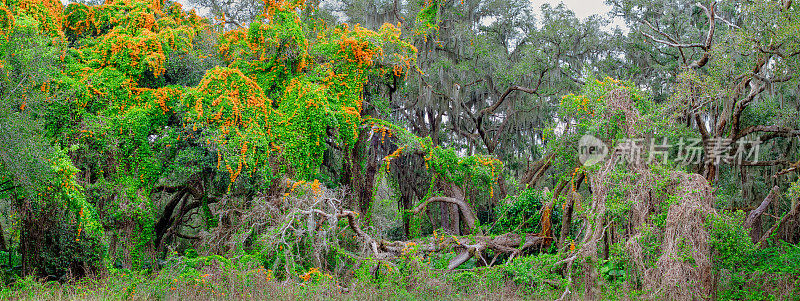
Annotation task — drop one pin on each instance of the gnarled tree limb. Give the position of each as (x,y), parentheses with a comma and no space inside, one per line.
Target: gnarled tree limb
(463,207)
(753,222)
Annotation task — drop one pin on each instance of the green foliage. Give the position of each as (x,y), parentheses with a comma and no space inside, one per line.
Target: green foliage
(613,270)
(480,170)
(56,221)
(536,274)
(135,131)
(595,114)
(747,269)
(730,241)
(428,17)
(479,173)
(522,213)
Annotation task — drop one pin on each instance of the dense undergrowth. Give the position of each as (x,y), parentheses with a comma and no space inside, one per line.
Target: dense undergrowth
(744,273)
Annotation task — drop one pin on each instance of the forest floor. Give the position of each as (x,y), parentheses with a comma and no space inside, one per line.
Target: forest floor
(243,286)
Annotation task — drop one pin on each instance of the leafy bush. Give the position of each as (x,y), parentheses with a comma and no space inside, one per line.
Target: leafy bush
(536,274)
(522,213)
(747,272)
(733,248)
(613,270)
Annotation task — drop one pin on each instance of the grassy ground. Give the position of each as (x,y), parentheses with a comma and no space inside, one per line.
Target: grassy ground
(489,284)
(257,285)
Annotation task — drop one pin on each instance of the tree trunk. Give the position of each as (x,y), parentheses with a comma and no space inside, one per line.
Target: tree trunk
(448,217)
(710,172)
(363,181)
(405,201)
(455,218)
(569,207)
(566,223)
(30,242)
(2,238)
(606,243)
(165,221)
(454,212)
(404,169)
(753,222)
(25,242)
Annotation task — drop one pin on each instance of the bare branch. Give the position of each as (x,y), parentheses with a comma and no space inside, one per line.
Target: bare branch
(672,44)
(773,80)
(727,22)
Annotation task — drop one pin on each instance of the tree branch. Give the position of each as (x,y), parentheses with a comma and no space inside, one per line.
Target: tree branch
(499,102)
(753,222)
(710,12)
(465,209)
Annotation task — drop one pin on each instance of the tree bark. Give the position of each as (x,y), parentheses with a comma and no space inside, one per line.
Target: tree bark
(2,238)
(535,172)
(166,219)
(363,181)
(411,185)
(753,222)
(31,239)
(566,223)
(461,207)
(405,203)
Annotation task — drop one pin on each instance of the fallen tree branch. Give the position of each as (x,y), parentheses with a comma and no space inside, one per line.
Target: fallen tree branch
(793,167)
(468,246)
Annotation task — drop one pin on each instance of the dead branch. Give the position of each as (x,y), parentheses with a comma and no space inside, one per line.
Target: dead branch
(711,13)
(792,167)
(467,246)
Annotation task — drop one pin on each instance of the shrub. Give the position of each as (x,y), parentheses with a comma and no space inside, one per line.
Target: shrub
(746,272)
(522,213)
(536,275)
